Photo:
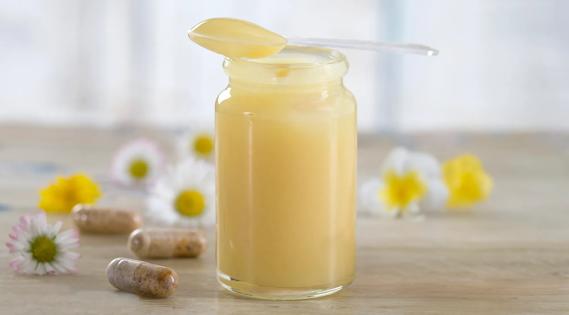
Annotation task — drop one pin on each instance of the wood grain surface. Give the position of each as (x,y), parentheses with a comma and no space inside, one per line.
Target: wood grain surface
(509,256)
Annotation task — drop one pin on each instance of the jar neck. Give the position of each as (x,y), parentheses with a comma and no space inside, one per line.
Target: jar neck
(275,93)
(295,68)
(333,86)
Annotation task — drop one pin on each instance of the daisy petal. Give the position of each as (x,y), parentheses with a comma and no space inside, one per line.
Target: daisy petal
(411,181)
(33,231)
(189,178)
(148,157)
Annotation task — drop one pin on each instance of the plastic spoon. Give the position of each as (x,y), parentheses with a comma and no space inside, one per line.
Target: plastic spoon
(366,45)
(237,38)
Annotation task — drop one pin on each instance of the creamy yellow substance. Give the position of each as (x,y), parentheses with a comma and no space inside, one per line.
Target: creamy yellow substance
(286,172)
(236,38)
(286,182)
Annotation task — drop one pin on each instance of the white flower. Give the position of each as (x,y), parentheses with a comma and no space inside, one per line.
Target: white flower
(40,248)
(137,162)
(197,144)
(409,182)
(184,196)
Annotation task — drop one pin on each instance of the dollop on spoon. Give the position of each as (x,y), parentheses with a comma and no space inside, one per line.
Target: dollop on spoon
(235,38)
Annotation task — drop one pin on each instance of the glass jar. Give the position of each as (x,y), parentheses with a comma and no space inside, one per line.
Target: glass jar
(286,142)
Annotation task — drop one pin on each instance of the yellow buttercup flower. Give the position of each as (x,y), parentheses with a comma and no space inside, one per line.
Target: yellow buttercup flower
(466,180)
(401,190)
(66,192)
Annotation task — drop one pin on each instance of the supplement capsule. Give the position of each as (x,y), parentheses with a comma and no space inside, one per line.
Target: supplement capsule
(142,278)
(105,220)
(166,243)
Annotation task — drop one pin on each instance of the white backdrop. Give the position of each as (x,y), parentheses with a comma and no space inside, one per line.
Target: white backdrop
(502,66)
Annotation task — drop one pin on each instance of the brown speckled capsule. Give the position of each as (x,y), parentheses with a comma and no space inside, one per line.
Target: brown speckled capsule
(166,243)
(105,220)
(142,278)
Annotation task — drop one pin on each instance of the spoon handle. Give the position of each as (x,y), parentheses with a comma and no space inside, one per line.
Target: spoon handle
(366,45)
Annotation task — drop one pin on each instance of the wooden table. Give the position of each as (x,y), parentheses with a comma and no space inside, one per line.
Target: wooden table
(509,256)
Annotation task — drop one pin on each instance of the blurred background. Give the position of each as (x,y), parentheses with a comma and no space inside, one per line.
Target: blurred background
(503,64)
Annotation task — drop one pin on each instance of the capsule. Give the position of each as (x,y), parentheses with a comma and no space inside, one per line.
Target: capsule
(142,278)
(166,243)
(105,220)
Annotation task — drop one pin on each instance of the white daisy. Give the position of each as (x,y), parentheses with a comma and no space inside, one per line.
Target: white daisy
(137,162)
(40,248)
(197,144)
(184,196)
(409,182)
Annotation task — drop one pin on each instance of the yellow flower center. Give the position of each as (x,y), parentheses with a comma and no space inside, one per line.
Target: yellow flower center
(138,169)
(66,192)
(190,203)
(203,145)
(401,190)
(43,249)
(466,180)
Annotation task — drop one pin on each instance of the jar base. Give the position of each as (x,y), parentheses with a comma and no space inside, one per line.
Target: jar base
(250,290)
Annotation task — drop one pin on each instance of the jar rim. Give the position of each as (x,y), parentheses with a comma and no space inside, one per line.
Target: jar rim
(326,56)
(292,65)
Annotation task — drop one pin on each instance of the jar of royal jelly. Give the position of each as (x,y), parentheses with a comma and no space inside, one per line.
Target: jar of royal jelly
(286,141)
